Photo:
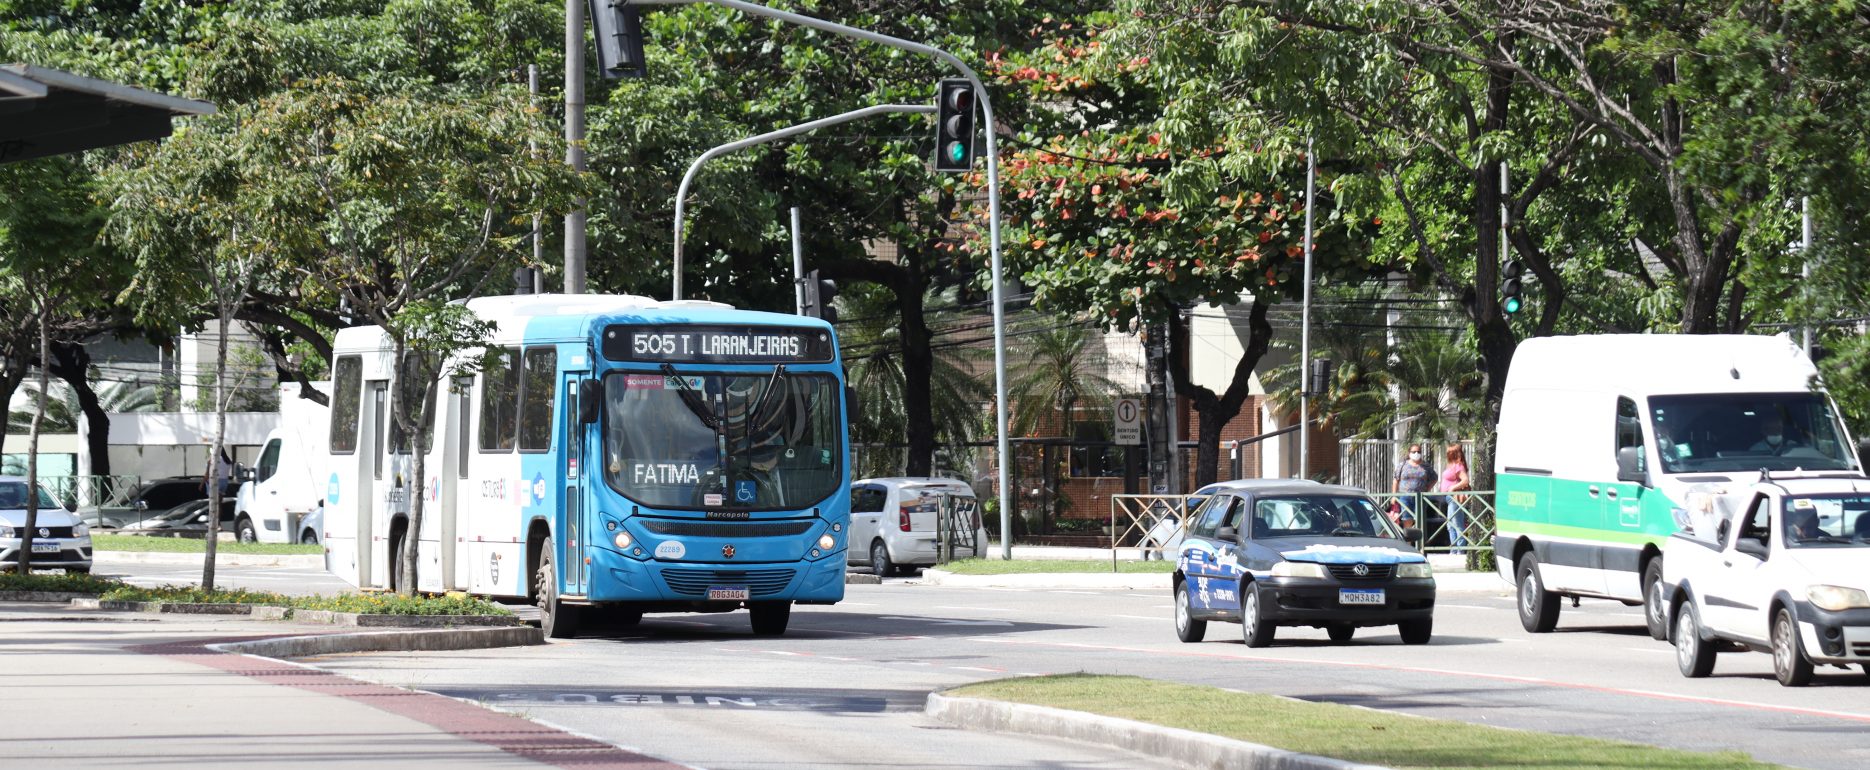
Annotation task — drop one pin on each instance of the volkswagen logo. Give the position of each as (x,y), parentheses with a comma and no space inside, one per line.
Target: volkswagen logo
(43,532)
(727,551)
(1361,570)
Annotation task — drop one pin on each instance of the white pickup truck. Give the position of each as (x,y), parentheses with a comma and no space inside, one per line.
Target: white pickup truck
(1785,569)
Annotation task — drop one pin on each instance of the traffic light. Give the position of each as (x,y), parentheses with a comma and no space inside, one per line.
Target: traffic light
(819,293)
(1319,382)
(1510,300)
(618,30)
(954,126)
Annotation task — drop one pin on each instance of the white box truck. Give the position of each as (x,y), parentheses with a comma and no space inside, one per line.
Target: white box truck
(288,481)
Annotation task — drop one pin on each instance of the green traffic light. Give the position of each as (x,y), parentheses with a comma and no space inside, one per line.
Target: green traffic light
(1511,305)
(957,152)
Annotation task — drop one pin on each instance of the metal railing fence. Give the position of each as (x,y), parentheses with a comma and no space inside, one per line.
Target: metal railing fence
(1450,522)
(85,491)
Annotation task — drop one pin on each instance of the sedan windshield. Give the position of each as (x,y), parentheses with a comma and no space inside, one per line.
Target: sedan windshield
(750,441)
(1320,516)
(1747,432)
(13,496)
(1828,521)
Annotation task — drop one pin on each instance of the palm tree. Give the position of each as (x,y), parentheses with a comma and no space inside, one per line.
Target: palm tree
(872,346)
(1063,367)
(1358,401)
(1442,390)
(63,415)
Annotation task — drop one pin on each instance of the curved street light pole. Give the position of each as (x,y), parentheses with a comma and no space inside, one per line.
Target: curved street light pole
(681,192)
(993,214)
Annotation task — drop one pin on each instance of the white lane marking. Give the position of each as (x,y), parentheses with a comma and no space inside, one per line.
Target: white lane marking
(973,609)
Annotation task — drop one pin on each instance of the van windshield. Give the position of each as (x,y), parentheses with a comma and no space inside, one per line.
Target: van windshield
(1748,431)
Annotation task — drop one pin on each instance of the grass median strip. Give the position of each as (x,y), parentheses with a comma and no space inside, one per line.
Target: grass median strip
(147,543)
(1038,566)
(113,590)
(1342,732)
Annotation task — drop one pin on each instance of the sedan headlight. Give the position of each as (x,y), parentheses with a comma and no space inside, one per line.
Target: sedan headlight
(1414,570)
(1298,569)
(827,542)
(1835,598)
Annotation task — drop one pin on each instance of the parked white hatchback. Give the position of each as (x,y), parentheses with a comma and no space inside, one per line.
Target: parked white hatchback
(1782,572)
(59,539)
(896,522)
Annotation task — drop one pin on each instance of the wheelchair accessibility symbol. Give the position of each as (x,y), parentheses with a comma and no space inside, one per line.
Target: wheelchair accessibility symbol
(743,492)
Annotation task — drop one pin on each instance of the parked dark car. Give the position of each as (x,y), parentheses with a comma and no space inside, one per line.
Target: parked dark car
(153,496)
(189,519)
(1299,554)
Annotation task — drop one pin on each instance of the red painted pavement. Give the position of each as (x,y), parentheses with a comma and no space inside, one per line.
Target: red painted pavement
(506,732)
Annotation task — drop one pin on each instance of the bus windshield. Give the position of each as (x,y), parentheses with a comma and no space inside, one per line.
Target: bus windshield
(766,441)
(1747,432)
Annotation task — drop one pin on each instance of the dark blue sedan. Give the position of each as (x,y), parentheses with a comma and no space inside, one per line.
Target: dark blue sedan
(1266,554)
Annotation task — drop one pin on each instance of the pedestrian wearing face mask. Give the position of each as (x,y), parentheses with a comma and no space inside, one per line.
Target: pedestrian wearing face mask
(1413,477)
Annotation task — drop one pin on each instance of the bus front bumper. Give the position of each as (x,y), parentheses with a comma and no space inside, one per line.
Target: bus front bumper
(623,579)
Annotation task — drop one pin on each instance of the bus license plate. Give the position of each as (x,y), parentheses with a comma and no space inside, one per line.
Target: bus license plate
(45,547)
(1360,596)
(728,594)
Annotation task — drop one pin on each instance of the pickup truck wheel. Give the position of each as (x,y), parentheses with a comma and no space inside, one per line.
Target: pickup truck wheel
(1187,628)
(880,560)
(1538,608)
(308,537)
(1655,605)
(1789,661)
(1254,631)
(1693,656)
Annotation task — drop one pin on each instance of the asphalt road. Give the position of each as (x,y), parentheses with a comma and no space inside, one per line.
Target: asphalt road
(843,687)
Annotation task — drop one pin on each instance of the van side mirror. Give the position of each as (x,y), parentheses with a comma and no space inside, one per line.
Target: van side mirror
(1751,547)
(1630,466)
(244,474)
(852,406)
(590,401)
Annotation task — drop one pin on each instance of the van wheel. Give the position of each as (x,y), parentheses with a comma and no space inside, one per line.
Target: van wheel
(1655,606)
(243,530)
(1538,608)
(1187,628)
(308,537)
(396,563)
(1789,662)
(557,619)
(880,560)
(1693,656)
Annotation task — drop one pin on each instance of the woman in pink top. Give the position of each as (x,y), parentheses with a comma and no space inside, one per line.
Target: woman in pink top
(1454,479)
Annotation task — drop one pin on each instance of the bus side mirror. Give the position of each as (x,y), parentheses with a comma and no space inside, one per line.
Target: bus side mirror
(852,406)
(590,401)
(1630,467)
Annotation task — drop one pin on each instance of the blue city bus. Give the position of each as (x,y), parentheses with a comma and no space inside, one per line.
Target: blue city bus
(609,456)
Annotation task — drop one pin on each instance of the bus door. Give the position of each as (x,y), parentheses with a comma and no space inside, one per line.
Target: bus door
(454,448)
(572,470)
(370,439)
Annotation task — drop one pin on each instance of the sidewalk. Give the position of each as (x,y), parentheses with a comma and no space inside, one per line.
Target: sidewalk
(92,688)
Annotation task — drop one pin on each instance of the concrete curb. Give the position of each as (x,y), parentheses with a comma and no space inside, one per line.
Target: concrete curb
(387,641)
(1183,748)
(61,597)
(302,560)
(367,620)
(861,579)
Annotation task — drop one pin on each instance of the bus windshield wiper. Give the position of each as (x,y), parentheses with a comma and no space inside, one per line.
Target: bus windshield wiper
(766,398)
(693,401)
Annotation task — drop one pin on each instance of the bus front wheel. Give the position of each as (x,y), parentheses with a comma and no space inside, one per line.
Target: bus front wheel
(557,619)
(770,618)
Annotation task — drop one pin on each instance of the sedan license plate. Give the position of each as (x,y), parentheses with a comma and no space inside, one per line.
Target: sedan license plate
(728,593)
(45,548)
(1360,596)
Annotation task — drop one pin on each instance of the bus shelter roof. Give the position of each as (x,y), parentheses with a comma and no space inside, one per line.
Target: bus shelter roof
(50,112)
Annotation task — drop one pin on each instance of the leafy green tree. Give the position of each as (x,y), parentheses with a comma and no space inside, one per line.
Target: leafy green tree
(63,412)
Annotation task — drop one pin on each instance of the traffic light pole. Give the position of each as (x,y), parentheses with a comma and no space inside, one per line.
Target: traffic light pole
(681,192)
(993,217)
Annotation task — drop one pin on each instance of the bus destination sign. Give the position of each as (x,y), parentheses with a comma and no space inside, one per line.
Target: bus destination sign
(717,344)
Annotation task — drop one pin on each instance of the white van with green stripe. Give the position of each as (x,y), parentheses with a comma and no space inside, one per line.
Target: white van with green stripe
(1606,442)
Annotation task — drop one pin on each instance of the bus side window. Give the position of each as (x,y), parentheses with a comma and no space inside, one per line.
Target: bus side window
(538,390)
(499,401)
(348,392)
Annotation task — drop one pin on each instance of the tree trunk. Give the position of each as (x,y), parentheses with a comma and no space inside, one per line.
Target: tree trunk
(32,447)
(71,362)
(417,484)
(213,478)
(1214,411)
(918,370)
(11,376)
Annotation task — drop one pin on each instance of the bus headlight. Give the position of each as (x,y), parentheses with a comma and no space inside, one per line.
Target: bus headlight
(623,540)
(827,542)
(1836,598)
(1414,570)
(1299,569)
